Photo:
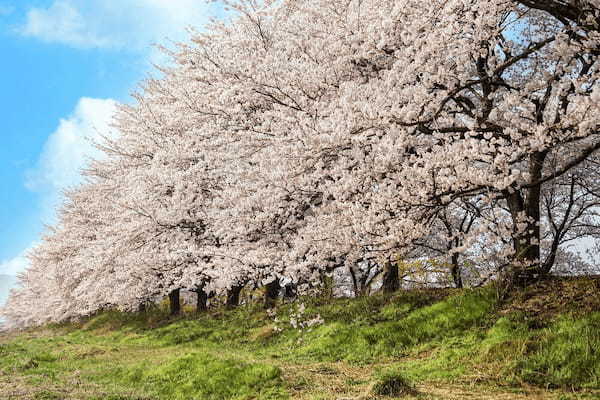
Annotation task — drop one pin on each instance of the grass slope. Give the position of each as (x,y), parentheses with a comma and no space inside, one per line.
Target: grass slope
(543,343)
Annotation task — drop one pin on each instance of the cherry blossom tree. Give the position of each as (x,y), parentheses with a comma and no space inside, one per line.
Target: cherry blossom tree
(301,135)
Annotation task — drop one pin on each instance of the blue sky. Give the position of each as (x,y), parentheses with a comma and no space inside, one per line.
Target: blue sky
(65,65)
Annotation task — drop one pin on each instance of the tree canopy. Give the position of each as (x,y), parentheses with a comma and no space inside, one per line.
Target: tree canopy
(301,135)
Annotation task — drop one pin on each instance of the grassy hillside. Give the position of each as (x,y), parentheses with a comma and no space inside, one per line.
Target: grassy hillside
(544,343)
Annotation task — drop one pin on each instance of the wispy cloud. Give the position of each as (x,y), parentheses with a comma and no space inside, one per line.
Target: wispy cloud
(62,23)
(68,148)
(65,152)
(133,24)
(14,266)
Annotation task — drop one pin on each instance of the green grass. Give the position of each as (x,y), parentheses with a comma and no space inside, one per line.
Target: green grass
(203,376)
(566,354)
(365,347)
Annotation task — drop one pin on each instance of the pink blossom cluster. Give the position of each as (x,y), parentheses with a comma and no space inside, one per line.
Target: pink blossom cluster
(305,134)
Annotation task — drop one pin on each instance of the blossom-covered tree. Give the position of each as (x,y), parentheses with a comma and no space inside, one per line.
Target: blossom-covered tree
(302,135)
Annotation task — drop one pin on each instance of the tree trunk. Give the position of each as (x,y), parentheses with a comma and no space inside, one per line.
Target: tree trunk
(201,300)
(233,297)
(289,291)
(391,280)
(526,257)
(271,293)
(174,302)
(527,263)
(456,272)
(355,283)
(142,307)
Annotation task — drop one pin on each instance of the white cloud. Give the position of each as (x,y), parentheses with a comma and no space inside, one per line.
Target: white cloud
(65,152)
(68,148)
(61,23)
(14,266)
(133,24)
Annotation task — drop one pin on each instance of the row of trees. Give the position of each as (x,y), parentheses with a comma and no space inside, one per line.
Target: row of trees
(304,136)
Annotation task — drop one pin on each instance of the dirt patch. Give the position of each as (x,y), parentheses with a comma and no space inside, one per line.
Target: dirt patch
(553,296)
(483,392)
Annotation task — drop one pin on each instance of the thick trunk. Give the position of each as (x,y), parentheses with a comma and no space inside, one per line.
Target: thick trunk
(355,281)
(527,264)
(174,302)
(201,300)
(271,293)
(289,291)
(456,272)
(525,243)
(142,307)
(233,297)
(391,279)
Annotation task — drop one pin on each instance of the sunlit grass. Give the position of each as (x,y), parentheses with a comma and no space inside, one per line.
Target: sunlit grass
(387,342)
